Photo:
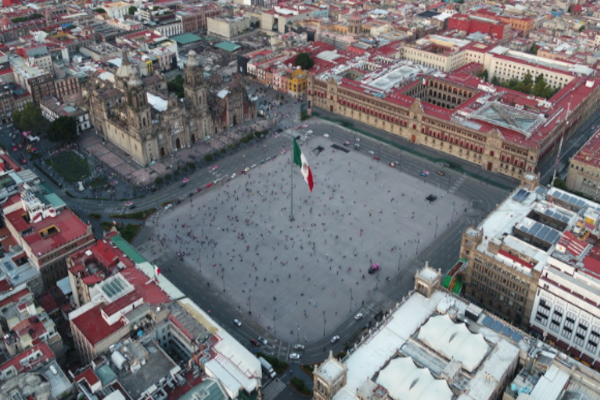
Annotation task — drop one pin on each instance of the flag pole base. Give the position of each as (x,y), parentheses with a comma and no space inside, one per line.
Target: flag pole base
(292,218)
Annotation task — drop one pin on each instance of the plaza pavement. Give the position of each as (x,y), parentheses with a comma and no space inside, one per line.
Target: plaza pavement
(310,274)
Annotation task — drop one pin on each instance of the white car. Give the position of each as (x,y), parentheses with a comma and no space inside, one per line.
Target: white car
(294,356)
(237,322)
(233,175)
(326,135)
(298,346)
(335,339)
(358,316)
(371,152)
(263,340)
(168,206)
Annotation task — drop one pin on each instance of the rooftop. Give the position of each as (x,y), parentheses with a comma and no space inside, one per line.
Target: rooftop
(49,233)
(156,365)
(93,326)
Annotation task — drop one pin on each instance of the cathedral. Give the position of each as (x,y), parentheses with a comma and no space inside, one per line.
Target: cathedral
(138,115)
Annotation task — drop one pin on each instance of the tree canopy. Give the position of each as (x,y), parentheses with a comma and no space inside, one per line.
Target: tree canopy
(528,85)
(175,85)
(29,119)
(304,61)
(62,129)
(132,10)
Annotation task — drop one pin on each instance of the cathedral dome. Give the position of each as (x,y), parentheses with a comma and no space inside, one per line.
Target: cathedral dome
(125,69)
(192,59)
(134,80)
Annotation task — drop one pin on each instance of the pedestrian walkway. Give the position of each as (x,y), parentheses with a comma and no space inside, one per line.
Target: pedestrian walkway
(456,184)
(151,251)
(272,389)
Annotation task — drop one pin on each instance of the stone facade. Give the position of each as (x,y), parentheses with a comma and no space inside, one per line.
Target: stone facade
(499,288)
(413,122)
(123,115)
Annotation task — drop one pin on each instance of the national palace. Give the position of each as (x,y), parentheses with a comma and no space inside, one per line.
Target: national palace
(429,92)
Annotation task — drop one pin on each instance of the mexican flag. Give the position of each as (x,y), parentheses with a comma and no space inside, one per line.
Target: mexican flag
(300,161)
(423,81)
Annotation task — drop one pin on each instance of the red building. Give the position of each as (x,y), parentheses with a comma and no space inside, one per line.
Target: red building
(47,235)
(471,24)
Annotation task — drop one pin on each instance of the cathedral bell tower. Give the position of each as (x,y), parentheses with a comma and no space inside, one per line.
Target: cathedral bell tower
(194,87)
(140,113)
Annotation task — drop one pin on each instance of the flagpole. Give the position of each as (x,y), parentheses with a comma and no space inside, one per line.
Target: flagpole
(292,183)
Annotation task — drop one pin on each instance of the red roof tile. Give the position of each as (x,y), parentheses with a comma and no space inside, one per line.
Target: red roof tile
(15,362)
(94,327)
(87,375)
(69,226)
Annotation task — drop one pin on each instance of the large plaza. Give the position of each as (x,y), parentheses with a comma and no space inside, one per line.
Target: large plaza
(304,277)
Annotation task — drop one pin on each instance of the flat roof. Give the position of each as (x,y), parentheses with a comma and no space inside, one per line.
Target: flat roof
(186,38)
(68,228)
(94,327)
(228,46)
(127,249)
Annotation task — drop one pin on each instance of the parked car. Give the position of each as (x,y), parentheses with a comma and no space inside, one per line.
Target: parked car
(294,356)
(424,173)
(237,322)
(298,346)
(255,342)
(263,340)
(335,339)
(358,316)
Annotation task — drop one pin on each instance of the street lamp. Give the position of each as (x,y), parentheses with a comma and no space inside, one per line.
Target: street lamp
(418,240)
(399,258)
(452,218)
(351,299)
(249,302)
(436,226)
(323,323)
(274,326)
(223,276)
(298,323)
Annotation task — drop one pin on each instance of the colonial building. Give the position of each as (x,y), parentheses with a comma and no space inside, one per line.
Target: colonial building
(583,175)
(433,345)
(148,124)
(457,113)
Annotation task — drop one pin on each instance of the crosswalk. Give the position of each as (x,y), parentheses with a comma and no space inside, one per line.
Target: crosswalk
(457,183)
(151,251)
(272,389)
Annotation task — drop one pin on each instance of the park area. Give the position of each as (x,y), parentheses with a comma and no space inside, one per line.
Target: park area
(302,279)
(69,165)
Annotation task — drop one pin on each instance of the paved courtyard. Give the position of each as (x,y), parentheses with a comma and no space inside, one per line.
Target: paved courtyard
(309,274)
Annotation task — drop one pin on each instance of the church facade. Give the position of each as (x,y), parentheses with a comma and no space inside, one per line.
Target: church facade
(138,115)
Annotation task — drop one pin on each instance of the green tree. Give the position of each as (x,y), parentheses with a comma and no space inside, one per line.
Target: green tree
(30,119)
(175,85)
(581,28)
(62,129)
(495,81)
(534,49)
(484,74)
(132,10)
(304,61)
